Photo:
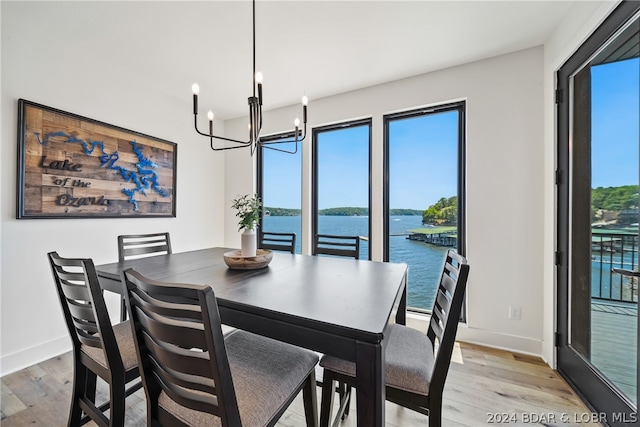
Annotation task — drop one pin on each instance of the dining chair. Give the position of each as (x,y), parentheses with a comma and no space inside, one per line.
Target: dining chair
(415,368)
(141,245)
(346,246)
(99,349)
(132,246)
(194,375)
(278,241)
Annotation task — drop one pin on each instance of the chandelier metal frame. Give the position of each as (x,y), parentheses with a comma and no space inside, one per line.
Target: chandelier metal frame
(255,116)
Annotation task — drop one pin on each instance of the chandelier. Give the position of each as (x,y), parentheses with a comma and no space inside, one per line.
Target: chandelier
(255,116)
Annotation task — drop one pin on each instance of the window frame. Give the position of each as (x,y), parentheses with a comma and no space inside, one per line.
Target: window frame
(460,107)
(314,169)
(260,168)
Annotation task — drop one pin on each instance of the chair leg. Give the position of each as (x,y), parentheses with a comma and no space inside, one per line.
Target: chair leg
(344,397)
(117,398)
(79,390)
(341,389)
(123,310)
(310,401)
(435,414)
(348,404)
(328,390)
(90,384)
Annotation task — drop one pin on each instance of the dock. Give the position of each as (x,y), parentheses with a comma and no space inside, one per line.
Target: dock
(439,236)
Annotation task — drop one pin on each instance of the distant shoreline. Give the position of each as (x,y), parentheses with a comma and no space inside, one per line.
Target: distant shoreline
(343,211)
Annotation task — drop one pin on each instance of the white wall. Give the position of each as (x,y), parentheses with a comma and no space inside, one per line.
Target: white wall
(37,67)
(505,189)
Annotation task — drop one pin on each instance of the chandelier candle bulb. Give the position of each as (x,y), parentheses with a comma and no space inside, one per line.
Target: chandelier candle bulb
(196,89)
(305,101)
(259,78)
(210,116)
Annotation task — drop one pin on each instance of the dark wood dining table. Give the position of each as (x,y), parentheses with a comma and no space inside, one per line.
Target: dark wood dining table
(336,306)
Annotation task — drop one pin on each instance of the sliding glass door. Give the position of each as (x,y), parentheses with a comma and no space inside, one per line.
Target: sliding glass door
(598,202)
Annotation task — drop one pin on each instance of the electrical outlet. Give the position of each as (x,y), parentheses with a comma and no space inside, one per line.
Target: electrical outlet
(515,312)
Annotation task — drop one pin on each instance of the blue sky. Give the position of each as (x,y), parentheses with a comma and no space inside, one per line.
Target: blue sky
(283,177)
(343,167)
(615,138)
(423,152)
(423,160)
(422,168)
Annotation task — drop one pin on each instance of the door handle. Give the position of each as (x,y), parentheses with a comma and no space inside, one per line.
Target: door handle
(625,272)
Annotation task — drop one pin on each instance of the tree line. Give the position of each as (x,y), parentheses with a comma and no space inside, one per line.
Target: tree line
(343,211)
(614,198)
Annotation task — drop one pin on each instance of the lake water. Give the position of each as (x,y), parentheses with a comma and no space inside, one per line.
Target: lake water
(425,261)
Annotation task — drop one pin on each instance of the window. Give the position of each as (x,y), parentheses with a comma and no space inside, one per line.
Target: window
(341,181)
(424,194)
(279,187)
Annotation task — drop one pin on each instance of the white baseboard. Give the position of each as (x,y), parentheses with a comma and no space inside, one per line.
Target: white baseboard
(500,341)
(30,356)
(486,338)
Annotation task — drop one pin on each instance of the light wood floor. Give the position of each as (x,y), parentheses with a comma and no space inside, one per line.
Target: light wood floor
(483,385)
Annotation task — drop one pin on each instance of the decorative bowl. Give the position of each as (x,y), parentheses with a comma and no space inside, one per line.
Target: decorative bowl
(236,261)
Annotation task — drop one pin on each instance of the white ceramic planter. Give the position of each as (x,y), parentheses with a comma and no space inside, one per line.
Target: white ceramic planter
(249,243)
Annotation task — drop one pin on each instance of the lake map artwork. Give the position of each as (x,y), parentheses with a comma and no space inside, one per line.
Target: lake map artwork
(73,167)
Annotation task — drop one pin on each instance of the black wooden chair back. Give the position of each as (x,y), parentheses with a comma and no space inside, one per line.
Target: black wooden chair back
(181,346)
(346,246)
(141,245)
(412,382)
(278,241)
(185,361)
(445,315)
(133,246)
(98,347)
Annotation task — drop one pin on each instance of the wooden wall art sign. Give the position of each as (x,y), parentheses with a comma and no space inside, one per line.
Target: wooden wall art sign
(70,166)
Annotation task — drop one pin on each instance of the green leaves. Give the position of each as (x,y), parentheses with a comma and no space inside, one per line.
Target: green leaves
(248,210)
(615,198)
(443,212)
(607,203)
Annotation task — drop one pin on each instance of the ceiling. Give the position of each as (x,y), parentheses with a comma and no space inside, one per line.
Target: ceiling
(317,48)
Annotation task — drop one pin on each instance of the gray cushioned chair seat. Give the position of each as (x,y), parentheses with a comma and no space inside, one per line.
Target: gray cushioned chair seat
(409,360)
(265,375)
(124,338)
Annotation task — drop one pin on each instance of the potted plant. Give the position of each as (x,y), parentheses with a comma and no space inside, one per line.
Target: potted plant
(248,211)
